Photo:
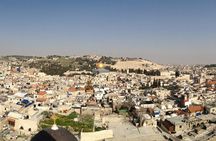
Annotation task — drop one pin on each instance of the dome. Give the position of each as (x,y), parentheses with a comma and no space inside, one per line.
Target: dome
(54,134)
(99,65)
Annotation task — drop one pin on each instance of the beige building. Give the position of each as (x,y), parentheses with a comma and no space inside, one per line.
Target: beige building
(211,109)
(175,124)
(147,120)
(26,126)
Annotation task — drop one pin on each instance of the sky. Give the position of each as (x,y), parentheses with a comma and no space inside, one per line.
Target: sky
(164,31)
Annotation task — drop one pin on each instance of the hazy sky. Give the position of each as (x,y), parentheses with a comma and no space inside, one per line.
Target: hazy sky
(165,31)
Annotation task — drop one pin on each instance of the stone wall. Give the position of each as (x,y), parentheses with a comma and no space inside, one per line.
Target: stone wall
(96,136)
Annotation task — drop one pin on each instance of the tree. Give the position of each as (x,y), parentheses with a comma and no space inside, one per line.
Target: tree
(177,73)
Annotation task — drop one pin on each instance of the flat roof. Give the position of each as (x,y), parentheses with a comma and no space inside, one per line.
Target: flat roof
(176,120)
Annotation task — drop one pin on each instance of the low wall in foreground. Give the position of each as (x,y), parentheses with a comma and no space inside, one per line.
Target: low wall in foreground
(96,136)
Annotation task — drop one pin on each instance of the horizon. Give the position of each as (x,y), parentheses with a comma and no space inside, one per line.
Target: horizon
(118,57)
(168,32)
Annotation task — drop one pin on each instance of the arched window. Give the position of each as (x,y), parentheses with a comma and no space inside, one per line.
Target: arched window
(21,128)
(29,129)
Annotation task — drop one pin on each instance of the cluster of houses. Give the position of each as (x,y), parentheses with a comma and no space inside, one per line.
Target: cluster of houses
(173,103)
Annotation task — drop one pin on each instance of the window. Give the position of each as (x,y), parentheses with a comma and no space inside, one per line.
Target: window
(180,126)
(21,128)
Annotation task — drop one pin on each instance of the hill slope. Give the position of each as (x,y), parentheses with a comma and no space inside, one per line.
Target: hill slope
(136,64)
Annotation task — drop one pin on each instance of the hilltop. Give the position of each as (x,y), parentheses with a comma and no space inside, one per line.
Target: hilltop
(136,64)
